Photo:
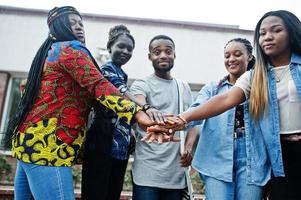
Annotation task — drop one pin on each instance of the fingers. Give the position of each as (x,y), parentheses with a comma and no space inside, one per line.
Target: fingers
(158,129)
(152,136)
(156,115)
(160,134)
(186,159)
(175,123)
(159,137)
(171,119)
(161,118)
(146,137)
(167,129)
(158,118)
(151,115)
(169,115)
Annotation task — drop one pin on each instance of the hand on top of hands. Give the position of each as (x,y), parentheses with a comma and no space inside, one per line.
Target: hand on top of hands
(164,132)
(159,127)
(156,116)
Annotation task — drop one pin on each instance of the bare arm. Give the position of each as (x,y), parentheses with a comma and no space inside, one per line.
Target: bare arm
(186,157)
(154,114)
(216,105)
(190,138)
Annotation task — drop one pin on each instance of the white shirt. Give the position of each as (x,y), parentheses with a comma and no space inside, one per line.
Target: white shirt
(288,101)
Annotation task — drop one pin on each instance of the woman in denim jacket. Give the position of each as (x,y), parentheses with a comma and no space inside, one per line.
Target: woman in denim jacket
(273,89)
(220,155)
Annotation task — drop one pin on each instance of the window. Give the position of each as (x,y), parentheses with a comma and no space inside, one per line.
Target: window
(102,56)
(10,108)
(4,77)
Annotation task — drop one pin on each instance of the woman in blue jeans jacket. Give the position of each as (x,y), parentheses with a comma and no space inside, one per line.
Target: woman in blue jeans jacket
(220,156)
(273,90)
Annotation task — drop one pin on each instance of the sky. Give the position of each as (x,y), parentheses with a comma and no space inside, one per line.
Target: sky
(244,13)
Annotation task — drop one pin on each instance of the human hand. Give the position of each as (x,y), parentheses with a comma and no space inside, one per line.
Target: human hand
(165,133)
(160,137)
(173,123)
(186,158)
(156,116)
(143,120)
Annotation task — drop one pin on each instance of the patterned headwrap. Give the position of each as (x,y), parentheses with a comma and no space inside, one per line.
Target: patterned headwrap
(59,11)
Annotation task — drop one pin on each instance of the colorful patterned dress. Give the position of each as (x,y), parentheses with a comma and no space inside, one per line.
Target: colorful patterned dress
(54,130)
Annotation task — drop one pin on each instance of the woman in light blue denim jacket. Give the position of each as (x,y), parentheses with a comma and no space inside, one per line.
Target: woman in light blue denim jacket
(220,156)
(273,89)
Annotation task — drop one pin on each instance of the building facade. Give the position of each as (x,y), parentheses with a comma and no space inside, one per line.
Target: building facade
(199,48)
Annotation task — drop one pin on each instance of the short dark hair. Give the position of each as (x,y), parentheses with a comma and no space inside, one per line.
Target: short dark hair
(160,37)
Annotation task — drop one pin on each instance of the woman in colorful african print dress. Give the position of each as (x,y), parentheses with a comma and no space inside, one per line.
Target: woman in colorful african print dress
(49,129)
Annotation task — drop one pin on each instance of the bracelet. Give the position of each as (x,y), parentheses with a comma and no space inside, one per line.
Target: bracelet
(182,118)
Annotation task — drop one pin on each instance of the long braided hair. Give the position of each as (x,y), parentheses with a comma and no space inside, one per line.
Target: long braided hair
(59,30)
(249,49)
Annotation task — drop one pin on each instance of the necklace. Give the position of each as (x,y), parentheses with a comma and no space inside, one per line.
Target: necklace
(280,73)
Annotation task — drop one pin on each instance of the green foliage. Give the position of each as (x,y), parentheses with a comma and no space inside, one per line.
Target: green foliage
(77,175)
(5,167)
(128,183)
(197,183)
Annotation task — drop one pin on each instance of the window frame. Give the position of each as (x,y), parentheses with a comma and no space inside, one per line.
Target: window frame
(6,104)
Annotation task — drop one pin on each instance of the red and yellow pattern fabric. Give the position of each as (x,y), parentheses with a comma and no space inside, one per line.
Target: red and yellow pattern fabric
(54,130)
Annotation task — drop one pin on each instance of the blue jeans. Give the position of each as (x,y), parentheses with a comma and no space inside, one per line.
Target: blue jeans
(43,182)
(238,189)
(154,193)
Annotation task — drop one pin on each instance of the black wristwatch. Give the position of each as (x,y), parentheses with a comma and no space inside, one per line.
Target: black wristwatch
(146,106)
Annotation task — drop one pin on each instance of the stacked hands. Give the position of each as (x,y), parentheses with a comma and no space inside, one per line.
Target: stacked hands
(162,130)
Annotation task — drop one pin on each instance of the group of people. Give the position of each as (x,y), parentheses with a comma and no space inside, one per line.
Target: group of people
(267,148)
(250,134)
(109,140)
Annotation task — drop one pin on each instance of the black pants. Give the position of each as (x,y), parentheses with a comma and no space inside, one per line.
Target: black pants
(102,176)
(288,187)
(155,193)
